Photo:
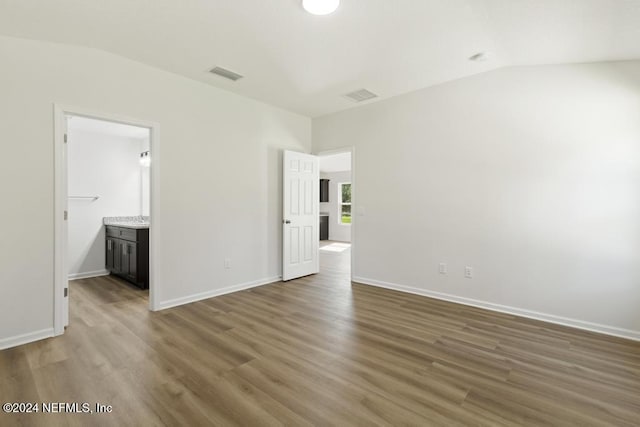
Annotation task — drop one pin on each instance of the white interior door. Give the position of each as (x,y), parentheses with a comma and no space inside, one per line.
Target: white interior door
(300,234)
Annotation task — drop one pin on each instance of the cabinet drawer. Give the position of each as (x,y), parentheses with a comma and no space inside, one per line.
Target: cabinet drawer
(112,231)
(122,233)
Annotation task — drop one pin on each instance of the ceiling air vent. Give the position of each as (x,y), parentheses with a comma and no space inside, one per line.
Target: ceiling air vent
(361,95)
(227,74)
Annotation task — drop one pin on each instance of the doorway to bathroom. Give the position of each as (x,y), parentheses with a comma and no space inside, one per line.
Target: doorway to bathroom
(104,203)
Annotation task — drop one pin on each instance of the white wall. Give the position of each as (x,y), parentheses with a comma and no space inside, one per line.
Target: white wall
(530,175)
(337,231)
(104,165)
(220,178)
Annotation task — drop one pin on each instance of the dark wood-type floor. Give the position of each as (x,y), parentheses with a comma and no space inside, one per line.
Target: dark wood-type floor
(318,351)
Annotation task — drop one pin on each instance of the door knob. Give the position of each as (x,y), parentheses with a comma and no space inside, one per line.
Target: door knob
(286,221)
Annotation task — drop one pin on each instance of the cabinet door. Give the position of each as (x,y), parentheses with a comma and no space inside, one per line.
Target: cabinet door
(324,190)
(110,251)
(117,257)
(123,258)
(132,261)
(324,228)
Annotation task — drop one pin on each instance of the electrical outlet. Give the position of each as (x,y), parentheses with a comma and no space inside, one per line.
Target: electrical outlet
(227,263)
(442,268)
(468,272)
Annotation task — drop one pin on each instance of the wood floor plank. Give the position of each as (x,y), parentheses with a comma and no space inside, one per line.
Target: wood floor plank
(318,350)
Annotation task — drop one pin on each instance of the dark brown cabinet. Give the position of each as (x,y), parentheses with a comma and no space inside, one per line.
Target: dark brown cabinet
(127,254)
(324,227)
(324,190)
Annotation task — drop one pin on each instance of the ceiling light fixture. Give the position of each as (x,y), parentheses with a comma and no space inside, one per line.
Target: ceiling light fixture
(320,7)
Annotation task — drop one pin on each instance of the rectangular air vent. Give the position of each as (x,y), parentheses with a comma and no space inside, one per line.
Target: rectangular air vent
(227,74)
(360,95)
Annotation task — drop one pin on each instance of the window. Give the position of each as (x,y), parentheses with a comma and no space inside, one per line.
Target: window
(345,203)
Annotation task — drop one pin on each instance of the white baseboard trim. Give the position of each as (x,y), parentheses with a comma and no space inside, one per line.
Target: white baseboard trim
(25,338)
(217,292)
(551,318)
(88,274)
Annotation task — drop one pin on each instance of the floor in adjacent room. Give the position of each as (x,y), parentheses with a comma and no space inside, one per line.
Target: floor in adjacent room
(318,350)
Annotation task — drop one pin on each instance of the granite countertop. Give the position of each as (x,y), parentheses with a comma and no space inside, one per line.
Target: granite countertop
(137,222)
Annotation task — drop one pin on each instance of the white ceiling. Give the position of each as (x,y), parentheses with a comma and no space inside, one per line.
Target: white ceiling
(305,63)
(84,124)
(335,162)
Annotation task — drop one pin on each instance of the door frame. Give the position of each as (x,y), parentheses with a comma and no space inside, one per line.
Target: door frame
(354,197)
(60,268)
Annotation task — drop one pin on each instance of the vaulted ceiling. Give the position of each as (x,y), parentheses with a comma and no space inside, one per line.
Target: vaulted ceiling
(306,63)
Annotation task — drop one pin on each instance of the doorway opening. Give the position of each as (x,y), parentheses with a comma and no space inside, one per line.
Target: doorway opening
(336,213)
(105,207)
